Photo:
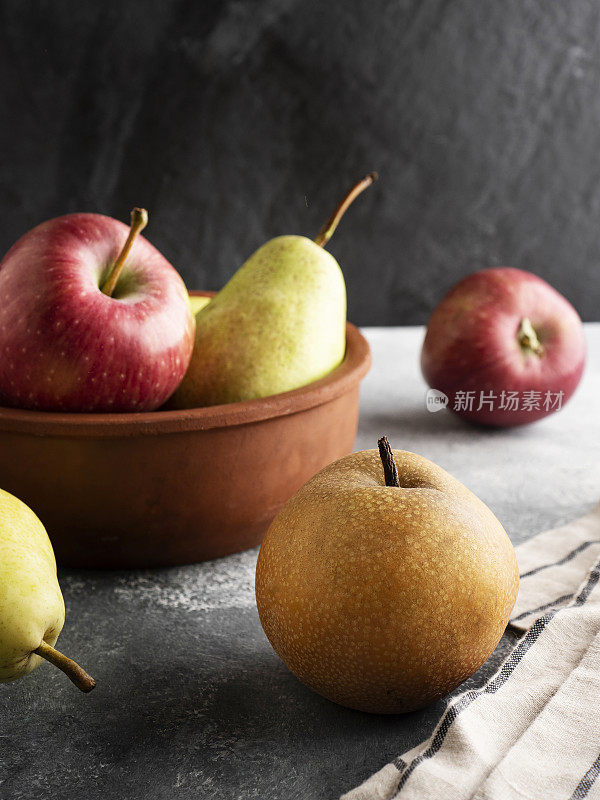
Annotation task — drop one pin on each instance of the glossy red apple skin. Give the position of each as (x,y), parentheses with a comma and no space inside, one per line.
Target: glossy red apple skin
(67,346)
(471,343)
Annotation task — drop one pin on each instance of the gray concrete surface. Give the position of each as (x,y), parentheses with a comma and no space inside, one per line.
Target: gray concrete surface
(193,703)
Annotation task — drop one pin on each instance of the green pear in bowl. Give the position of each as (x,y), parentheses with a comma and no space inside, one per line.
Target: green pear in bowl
(197,303)
(278,324)
(32,610)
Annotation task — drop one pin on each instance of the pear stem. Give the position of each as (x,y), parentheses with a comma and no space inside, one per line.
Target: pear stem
(139,220)
(327,231)
(390,470)
(528,338)
(71,669)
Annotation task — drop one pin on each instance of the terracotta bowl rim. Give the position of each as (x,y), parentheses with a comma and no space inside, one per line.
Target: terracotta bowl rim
(353,368)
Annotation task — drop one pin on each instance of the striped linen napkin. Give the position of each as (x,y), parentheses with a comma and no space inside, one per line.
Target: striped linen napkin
(532,731)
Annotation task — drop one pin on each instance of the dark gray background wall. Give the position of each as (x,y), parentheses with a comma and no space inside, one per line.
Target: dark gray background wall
(235,121)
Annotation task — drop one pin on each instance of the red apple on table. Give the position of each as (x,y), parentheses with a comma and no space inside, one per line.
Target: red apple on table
(92,318)
(505,347)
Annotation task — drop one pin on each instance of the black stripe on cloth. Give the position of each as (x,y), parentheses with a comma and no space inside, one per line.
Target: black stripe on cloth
(569,557)
(545,607)
(558,600)
(586,783)
(495,683)
(592,580)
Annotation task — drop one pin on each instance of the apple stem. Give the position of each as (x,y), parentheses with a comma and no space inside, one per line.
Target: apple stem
(528,338)
(327,231)
(71,669)
(390,470)
(139,220)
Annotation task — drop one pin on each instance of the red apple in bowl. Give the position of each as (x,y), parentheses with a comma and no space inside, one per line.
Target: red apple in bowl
(505,347)
(92,318)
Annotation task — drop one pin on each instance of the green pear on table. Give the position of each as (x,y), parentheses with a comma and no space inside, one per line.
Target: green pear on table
(32,610)
(278,324)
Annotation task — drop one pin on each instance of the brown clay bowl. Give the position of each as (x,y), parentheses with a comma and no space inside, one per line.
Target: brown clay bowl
(174,487)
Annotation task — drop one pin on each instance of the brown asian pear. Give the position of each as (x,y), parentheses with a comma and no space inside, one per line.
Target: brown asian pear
(384,582)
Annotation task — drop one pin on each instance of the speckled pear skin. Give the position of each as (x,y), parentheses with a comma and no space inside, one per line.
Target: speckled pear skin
(384,599)
(31,603)
(278,324)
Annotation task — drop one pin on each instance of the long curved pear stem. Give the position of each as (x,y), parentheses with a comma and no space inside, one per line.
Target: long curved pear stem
(390,470)
(71,669)
(139,220)
(327,231)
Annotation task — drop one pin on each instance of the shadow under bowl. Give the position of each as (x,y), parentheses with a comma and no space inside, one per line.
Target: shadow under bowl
(173,487)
